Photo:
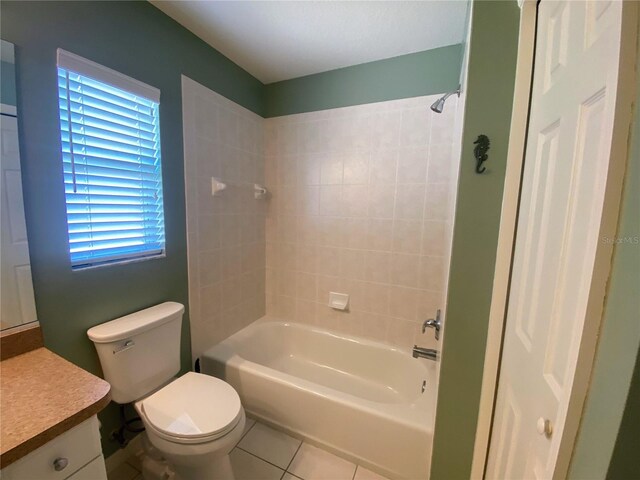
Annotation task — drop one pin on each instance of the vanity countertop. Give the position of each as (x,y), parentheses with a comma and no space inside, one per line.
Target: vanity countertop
(41,396)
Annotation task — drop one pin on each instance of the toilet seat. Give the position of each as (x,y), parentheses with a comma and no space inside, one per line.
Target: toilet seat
(194,408)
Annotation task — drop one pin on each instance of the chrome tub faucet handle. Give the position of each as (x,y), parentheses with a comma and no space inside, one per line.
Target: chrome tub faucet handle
(434,323)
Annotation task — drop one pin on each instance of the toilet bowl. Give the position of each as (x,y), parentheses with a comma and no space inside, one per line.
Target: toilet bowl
(192,421)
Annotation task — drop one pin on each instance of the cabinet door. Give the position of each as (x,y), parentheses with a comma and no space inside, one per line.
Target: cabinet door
(61,457)
(94,470)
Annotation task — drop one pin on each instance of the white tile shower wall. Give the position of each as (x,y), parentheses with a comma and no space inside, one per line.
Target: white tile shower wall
(225,233)
(361,204)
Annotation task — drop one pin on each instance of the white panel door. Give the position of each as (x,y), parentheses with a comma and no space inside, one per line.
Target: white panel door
(563,190)
(17,305)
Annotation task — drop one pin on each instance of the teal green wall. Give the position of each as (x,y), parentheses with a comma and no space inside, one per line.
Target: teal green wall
(491,74)
(413,75)
(611,400)
(7,83)
(138,40)
(624,461)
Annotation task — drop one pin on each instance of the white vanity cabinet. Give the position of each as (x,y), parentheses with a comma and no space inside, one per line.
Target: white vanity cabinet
(76,454)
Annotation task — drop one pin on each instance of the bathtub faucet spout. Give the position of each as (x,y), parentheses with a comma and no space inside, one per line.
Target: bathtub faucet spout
(421,352)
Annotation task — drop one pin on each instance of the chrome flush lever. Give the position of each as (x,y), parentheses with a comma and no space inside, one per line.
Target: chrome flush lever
(436,324)
(125,346)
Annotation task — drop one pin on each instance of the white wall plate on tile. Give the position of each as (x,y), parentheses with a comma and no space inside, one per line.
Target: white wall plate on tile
(338,301)
(217,186)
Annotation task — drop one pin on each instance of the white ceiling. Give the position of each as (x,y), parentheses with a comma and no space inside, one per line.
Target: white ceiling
(278,40)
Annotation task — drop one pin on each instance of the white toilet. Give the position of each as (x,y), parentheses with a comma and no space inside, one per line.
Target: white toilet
(193,420)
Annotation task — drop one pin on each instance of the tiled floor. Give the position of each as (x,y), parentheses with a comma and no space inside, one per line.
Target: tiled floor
(264,453)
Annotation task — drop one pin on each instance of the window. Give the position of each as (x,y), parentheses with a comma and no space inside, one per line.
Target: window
(110,132)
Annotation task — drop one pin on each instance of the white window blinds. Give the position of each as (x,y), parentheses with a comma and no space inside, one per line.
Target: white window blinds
(110,132)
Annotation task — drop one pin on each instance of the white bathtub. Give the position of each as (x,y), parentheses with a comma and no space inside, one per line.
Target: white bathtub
(355,396)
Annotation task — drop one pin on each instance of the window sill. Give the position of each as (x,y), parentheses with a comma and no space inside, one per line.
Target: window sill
(125,261)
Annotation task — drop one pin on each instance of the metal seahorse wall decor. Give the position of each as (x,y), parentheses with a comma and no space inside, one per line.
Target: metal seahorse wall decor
(482,144)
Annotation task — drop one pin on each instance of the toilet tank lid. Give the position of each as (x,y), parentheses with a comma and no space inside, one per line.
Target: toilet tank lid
(134,323)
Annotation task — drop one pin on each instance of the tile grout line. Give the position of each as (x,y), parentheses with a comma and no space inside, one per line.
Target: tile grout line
(246,433)
(260,458)
(290,461)
(286,470)
(132,466)
(291,474)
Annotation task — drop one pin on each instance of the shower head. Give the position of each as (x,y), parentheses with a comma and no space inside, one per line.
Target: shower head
(438,105)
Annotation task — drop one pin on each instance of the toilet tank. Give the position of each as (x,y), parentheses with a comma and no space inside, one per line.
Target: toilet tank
(141,351)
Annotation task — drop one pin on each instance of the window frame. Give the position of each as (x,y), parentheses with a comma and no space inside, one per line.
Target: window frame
(69,63)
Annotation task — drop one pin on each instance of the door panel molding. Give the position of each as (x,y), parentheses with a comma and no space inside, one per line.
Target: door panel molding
(603,219)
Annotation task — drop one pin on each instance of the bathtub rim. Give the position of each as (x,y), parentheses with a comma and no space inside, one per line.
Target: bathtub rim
(409,416)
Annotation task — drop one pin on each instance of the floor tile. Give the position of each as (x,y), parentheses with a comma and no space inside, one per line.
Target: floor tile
(288,476)
(364,474)
(135,462)
(312,463)
(247,426)
(124,471)
(271,445)
(247,467)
